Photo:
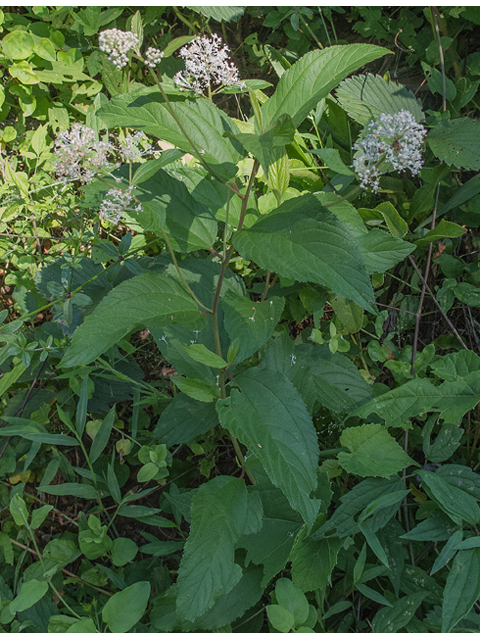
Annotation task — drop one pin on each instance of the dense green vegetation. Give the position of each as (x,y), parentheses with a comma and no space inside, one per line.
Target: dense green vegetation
(239,344)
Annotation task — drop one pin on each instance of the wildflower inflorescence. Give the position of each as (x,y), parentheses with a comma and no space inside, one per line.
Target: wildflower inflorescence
(153,57)
(118,44)
(393,142)
(206,63)
(116,203)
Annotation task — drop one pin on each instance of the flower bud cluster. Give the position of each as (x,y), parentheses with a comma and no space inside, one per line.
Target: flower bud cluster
(129,148)
(393,142)
(206,63)
(118,44)
(153,57)
(116,203)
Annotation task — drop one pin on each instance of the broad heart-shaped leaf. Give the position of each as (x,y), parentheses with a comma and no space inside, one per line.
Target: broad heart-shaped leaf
(301,239)
(270,417)
(457,142)
(252,323)
(373,452)
(208,570)
(167,204)
(151,298)
(313,77)
(365,97)
(462,589)
(125,608)
(201,120)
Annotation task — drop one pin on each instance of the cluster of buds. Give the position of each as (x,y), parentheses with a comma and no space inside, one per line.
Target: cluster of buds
(153,57)
(206,63)
(388,144)
(118,45)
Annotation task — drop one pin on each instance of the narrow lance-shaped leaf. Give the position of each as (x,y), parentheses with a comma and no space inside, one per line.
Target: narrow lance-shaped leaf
(270,417)
(462,589)
(150,298)
(306,241)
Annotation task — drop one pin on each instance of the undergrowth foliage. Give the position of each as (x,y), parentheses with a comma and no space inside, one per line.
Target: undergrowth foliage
(233,300)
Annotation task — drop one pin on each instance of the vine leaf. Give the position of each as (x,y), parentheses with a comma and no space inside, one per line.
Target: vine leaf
(208,570)
(311,78)
(301,239)
(150,298)
(364,443)
(270,417)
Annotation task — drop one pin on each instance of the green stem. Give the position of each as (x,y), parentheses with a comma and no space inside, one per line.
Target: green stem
(181,275)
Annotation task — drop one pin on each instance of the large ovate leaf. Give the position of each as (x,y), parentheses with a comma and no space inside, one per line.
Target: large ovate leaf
(202,122)
(167,203)
(150,298)
(457,142)
(270,417)
(462,589)
(364,444)
(444,229)
(365,97)
(252,323)
(313,77)
(303,240)
(382,251)
(125,608)
(208,569)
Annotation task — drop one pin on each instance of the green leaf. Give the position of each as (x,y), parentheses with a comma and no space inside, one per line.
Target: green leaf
(208,570)
(468,190)
(373,595)
(125,608)
(30,593)
(167,203)
(84,625)
(124,551)
(395,223)
(448,551)
(184,419)
(382,503)
(18,45)
(31,430)
(151,298)
(462,589)
(364,444)
(200,353)
(313,562)
(113,485)
(456,503)
(39,515)
(293,599)
(374,542)
(435,528)
(103,435)
(445,444)
(280,618)
(381,251)
(365,97)
(197,389)
(251,323)
(270,417)
(225,14)
(313,77)
(19,511)
(175,44)
(331,157)
(201,120)
(304,240)
(444,229)
(70,489)
(391,620)
(457,142)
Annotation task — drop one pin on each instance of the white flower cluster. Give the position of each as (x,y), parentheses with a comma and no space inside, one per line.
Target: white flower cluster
(153,57)
(206,63)
(80,156)
(118,44)
(389,143)
(129,148)
(117,202)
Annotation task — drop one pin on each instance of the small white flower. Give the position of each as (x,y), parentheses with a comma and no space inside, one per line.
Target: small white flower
(79,156)
(389,143)
(206,63)
(129,148)
(118,44)
(153,57)
(116,203)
